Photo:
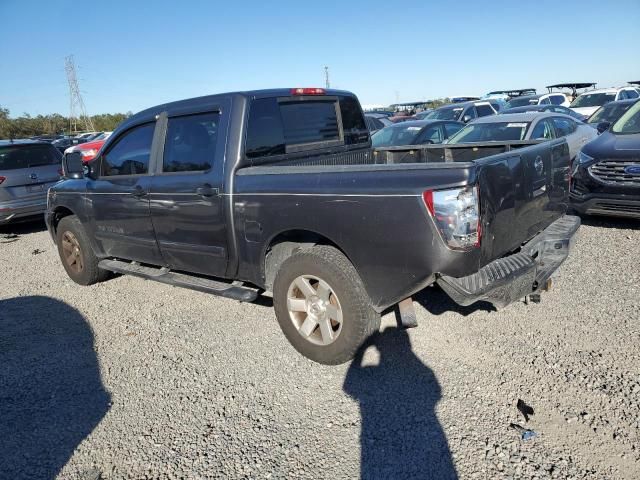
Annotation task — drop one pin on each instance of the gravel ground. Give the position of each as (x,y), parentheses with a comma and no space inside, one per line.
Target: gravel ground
(134,379)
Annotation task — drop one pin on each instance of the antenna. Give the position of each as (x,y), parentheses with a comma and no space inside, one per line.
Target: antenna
(326,77)
(76,104)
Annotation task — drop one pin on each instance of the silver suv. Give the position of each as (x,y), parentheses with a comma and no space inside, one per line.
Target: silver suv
(27,169)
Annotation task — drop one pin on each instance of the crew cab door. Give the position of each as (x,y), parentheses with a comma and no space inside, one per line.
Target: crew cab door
(186,202)
(118,197)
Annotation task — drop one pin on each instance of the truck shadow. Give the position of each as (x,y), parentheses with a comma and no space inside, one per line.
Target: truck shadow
(610,222)
(51,394)
(401,436)
(24,227)
(436,302)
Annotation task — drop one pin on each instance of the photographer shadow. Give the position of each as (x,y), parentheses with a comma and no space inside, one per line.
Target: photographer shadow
(51,393)
(401,436)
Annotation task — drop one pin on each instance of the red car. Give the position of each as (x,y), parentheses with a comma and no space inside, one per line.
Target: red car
(90,149)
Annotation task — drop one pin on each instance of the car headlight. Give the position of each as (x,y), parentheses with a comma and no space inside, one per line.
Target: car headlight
(584,158)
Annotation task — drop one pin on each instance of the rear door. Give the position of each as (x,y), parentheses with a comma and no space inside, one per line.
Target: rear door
(119,197)
(26,172)
(187,205)
(568,128)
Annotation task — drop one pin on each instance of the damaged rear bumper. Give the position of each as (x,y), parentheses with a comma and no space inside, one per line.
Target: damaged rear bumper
(511,278)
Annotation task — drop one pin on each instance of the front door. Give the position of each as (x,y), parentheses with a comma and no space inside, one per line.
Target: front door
(187,208)
(119,198)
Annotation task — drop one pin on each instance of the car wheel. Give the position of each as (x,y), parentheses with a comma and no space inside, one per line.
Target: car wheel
(76,253)
(322,306)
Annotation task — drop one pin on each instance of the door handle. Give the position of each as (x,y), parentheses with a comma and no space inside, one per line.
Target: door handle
(206,191)
(138,192)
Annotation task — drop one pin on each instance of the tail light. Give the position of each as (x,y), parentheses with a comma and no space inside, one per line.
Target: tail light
(307,91)
(2,179)
(88,154)
(456,213)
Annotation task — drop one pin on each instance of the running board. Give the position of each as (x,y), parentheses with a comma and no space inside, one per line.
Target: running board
(164,275)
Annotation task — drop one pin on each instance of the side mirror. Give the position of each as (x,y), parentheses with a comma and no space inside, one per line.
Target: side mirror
(466,118)
(72,165)
(603,127)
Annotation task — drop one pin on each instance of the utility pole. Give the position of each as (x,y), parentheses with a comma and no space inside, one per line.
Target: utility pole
(326,77)
(76,104)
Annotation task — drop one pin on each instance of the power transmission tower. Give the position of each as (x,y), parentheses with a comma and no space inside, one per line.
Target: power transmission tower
(326,77)
(77,110)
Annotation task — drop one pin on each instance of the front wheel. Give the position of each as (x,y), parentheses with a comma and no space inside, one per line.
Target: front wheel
(76,253)
(322,306)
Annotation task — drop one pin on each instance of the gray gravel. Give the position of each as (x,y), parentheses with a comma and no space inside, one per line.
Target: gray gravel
(134,379)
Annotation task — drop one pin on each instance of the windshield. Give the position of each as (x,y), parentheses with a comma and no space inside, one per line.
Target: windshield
(593,99)
(395,136)
(609,113)
(446,113)
(521,102)
(491,132)
(629,122)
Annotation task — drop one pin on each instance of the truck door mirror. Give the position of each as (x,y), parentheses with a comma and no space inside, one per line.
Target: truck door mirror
(603,127)
(466,118)
(72,165)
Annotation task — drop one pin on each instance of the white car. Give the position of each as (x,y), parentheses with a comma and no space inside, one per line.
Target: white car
(588,102)
(527,126)
(555,98)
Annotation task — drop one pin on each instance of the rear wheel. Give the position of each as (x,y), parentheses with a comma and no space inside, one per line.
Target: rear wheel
(76,253)
(321,305)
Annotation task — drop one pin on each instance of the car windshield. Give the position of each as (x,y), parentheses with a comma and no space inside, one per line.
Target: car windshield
(629,122)
(593,99)
(521,102)
(609,113)
(445,113)
(491,132)
(395,136)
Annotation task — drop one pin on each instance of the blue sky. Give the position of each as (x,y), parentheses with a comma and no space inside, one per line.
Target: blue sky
(135,54)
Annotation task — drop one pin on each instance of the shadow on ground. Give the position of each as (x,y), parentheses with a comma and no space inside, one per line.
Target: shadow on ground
(436,302)
(401,436)
(33,225)
(610,222)
(51,394)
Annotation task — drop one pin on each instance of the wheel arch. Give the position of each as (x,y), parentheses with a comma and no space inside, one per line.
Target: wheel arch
(59,213)
(286,243)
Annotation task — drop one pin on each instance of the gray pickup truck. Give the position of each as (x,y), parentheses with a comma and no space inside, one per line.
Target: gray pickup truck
(280,190)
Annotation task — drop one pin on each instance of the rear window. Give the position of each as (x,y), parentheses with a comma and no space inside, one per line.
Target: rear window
(491,132)
(287,125)
(13,157)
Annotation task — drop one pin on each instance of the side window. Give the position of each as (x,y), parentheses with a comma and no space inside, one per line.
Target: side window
(542,131)
(471,111)
(265,135)
(557,99)
(431,135)
(451,128)
(622,95)
(191,143)
(377,123)
(484,110)
(130,154)
(564,126)
(545,101)
(352,121)
(631,94)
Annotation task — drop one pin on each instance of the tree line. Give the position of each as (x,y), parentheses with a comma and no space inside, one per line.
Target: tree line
(26,126)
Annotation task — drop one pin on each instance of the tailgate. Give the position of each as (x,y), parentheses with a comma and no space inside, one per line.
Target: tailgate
(521,193)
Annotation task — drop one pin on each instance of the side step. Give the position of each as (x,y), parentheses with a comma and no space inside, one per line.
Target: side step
(164,275)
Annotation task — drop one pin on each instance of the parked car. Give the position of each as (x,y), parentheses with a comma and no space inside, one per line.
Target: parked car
(588,102)
(415,132)
(89,149)
(609,113)
(27,169)
(66,142)
(556,98)
(606,174)
(280,190)
(376,121)
(527,126)
(462,112)
(547,108)
(422,114)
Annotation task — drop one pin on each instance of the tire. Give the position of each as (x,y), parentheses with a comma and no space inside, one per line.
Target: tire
(72,240)
(351,317)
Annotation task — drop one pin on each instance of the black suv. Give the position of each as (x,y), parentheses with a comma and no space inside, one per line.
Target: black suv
(606,173)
